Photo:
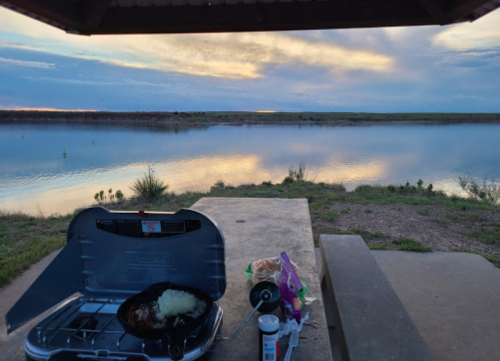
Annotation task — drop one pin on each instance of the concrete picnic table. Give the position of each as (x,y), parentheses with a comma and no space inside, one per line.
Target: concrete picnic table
(253,229)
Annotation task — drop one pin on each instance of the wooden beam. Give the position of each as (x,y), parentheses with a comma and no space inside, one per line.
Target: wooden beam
(60,13)
(263,17)
(94,10)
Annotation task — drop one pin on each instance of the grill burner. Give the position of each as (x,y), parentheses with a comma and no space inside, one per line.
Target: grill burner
(83,325)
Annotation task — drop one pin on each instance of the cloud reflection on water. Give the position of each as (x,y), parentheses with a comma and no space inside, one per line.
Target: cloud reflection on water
(33,171)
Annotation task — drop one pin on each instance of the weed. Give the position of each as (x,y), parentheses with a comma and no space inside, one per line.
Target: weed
(363,188)
(408,244)
(489,234)
(488,192)
(377,247)
(368,210)
(219,185)
(423,212)
(452,217)
(330,216)
(345,210)
(149,187)
(298,175)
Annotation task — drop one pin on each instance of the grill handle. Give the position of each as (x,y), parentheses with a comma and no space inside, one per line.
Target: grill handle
(176,349)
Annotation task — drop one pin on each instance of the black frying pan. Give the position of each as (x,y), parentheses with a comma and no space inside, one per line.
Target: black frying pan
(176,334)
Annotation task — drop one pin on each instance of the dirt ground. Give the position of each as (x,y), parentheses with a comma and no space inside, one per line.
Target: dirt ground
(439,227)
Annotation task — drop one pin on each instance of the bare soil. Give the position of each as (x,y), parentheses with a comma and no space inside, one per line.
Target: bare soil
(439,227)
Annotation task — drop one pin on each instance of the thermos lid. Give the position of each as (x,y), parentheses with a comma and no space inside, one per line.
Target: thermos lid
(269,323)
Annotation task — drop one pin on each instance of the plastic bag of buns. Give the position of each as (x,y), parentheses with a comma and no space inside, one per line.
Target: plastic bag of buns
(268,269)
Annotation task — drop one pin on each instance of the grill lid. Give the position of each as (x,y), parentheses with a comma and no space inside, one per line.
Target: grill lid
(118,254)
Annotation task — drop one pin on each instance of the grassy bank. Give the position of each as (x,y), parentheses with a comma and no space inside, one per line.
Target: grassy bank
(394,217)
(203,118)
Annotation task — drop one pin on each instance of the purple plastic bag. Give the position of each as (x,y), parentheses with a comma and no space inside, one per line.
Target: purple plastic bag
(290,303)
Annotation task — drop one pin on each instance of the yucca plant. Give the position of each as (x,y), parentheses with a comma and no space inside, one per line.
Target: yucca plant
(149,187)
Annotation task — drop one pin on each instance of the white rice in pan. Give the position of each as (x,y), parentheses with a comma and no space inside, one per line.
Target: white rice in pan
(174,303)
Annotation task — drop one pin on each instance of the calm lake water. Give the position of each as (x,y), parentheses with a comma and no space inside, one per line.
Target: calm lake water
(35,177)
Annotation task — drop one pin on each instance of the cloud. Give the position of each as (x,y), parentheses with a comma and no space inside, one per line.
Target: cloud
(6,107)
(232,56)
(481,34)
(30,64)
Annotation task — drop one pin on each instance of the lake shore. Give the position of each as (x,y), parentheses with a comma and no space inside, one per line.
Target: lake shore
(392,217)
(238,118)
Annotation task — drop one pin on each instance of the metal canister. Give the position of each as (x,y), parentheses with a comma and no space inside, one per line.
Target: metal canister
(269,326)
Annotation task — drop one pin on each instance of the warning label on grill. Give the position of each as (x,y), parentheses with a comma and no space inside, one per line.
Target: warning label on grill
(151,226)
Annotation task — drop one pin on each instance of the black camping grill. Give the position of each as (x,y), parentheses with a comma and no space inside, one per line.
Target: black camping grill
(110,257)
(114,259)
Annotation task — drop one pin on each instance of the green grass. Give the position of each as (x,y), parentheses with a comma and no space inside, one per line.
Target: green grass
(489,233)
(408,244)
(25,239)
(330,216)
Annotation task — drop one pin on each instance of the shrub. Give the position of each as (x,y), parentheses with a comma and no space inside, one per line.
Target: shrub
(149,187)
(299,174)
(119,195)
(219,185)
(480,190)
(363,188)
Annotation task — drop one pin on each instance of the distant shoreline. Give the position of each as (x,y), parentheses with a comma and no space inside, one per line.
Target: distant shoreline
(238,118)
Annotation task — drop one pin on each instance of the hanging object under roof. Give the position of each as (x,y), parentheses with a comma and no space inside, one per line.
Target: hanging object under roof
(89,17)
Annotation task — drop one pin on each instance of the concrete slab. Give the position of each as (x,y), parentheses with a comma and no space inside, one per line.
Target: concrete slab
(13,291)
(453,299)
(11,346)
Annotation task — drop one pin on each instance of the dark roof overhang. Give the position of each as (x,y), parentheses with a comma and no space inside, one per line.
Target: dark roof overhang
(89,17)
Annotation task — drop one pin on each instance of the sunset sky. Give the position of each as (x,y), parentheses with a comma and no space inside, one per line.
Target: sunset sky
(421,69)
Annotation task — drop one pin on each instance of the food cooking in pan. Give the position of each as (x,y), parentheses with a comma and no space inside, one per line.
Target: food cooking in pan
(159,313)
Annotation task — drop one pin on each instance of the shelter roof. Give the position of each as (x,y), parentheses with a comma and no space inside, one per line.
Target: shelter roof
(90,17)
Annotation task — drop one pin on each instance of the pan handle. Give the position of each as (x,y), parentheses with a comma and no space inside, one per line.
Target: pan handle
(176,349)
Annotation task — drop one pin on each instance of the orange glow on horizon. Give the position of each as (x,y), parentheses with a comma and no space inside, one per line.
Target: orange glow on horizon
(52,110)
(265,111)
